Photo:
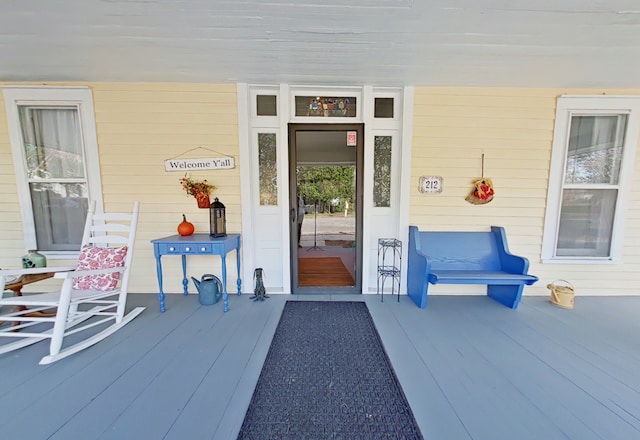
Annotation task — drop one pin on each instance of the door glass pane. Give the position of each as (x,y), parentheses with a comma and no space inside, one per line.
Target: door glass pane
(52,144)
(586,222)
(60,211)
(326,176)
(595,149)
(382,171)
(267,169)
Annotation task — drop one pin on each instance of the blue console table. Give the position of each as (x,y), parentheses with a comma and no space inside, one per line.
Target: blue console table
(197,244)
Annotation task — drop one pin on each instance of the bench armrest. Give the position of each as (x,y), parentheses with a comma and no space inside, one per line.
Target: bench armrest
(418,269)
(510,263)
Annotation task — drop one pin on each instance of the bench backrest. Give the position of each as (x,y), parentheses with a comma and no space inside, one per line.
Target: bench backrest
(461,250)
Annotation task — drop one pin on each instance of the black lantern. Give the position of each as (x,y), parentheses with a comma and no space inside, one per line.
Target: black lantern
(217,219)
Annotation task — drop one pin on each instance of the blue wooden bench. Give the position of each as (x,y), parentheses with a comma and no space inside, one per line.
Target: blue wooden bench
(466,258)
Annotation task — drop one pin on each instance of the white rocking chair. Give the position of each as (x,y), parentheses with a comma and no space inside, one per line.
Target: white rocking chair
(93,293)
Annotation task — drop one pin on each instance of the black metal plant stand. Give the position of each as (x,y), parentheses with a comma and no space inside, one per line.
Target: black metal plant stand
(389,263)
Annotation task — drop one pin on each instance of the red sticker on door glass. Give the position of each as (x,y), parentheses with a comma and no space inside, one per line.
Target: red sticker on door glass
(351,138)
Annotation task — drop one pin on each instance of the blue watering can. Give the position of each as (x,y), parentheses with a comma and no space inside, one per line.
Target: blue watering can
(209,289)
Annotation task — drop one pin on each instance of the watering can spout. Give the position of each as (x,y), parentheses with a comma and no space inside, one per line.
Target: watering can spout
(209,289)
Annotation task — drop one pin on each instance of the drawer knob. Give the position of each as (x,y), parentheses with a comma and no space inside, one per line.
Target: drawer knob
(172,249)
(187,249)
(202,249)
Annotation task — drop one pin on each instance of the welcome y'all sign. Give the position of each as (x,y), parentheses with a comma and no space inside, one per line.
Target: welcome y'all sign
(215,163)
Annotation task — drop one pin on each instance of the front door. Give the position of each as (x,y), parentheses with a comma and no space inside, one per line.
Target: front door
(325,199)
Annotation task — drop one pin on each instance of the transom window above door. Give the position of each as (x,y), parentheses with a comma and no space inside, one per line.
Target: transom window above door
(326,106)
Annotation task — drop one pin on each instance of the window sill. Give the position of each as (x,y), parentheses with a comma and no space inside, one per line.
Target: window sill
(585,261)
(59,255)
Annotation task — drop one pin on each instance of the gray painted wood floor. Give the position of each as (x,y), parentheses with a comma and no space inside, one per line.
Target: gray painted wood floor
(470,368)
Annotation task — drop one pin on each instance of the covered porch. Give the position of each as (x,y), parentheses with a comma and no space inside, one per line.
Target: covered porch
(470,369)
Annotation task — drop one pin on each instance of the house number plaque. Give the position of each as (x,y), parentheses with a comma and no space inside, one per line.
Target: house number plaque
(430,184)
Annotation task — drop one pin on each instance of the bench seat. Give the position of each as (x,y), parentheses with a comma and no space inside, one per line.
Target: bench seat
(478,277)
(466,258)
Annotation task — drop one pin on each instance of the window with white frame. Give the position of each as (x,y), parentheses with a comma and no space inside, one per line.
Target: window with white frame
(594,145)
(55,151)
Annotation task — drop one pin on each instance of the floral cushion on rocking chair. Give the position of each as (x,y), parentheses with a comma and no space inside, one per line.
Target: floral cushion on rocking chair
(99,258)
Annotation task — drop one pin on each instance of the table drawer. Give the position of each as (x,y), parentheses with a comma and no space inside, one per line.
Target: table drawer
(184,248)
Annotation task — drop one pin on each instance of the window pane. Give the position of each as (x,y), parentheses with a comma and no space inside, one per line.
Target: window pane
(266,105)
(327,106)
(595,149)
(268,173)
(53,149)
(383,108)
(382,171)
(586,223)
(59,211)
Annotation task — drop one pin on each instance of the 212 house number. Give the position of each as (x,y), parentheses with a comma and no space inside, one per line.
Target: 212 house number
(430,184)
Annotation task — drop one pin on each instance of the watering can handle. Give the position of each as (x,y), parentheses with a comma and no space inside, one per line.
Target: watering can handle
(210,277)
(218,282)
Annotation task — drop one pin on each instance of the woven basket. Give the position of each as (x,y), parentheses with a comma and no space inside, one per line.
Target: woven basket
(562,293)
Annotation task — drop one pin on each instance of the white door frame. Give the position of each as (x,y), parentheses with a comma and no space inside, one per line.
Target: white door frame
(394,219)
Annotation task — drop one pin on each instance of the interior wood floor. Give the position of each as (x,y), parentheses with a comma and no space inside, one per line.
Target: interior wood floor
(320,274)
(470,368)
(323,271)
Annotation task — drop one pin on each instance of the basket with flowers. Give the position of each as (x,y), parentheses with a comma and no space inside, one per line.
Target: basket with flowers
(200,189)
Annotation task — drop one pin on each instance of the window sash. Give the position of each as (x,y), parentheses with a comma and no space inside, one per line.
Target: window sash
(60,211)
(52,142)
(54,162)
(593,156)
(586,223)
(595,149)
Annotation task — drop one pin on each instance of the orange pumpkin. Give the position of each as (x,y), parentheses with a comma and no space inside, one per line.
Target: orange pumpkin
(185,228)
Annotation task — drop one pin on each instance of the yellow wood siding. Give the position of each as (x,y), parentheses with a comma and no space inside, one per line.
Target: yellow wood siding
(139,126)
(453,127)
(11,242)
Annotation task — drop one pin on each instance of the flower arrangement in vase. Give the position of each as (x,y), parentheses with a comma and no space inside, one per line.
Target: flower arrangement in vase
(200,189)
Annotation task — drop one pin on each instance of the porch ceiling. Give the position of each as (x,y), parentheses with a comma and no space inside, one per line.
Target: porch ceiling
(530,43)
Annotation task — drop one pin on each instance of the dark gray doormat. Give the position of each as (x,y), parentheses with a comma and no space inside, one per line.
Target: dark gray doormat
(327,376)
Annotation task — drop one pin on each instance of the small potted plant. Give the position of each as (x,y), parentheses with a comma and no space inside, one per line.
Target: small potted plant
(200,189)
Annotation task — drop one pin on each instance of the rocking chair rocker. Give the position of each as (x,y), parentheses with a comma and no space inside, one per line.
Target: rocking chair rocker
(93,293)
